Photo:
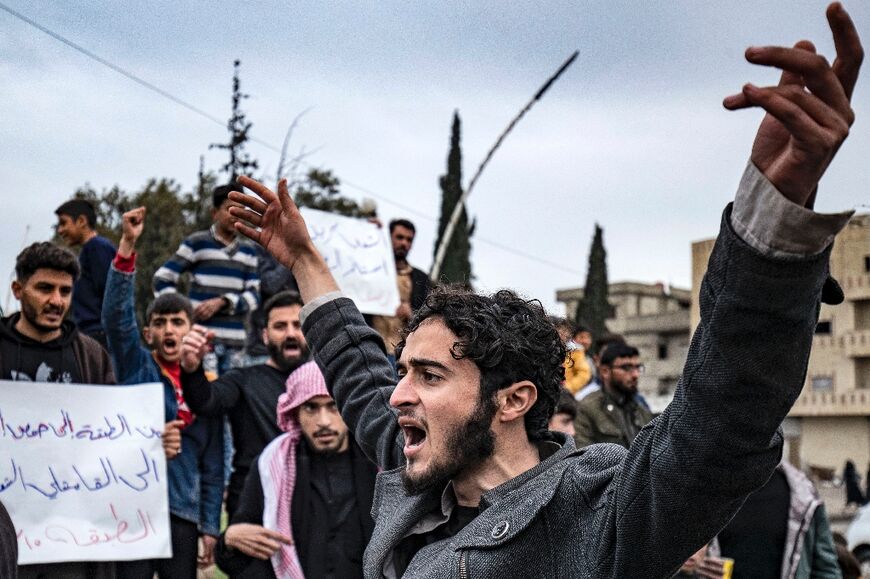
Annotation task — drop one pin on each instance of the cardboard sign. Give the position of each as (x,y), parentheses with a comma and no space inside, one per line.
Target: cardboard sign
(360,256)
(82,471)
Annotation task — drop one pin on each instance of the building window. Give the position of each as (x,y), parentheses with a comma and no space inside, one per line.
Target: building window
(663,352)
(862,314)
(823,327)
(823,383)
(862,372)
(867,263)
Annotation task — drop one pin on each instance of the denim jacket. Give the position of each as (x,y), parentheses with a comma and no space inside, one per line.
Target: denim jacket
(196,476)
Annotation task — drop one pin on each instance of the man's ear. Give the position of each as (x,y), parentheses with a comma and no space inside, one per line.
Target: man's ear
(17,288)
(146,333)
(82,222)
(265,337)
(516,400)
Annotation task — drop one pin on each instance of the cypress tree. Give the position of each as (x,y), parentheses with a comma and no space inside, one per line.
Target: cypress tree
(457,260)
(594,309)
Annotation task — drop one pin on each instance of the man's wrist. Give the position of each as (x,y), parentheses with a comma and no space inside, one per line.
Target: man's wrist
(126,248)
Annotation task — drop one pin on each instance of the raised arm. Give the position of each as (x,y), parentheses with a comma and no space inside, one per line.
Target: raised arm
(119,305)
(719,439)
(351,354)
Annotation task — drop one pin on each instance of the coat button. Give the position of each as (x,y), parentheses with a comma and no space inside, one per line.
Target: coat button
(500,530)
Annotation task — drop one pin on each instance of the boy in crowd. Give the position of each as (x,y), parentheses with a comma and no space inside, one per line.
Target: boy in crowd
(76,223)
(195,476)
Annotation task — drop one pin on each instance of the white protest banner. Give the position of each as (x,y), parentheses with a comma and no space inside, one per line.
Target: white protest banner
(360,256)
(82,471)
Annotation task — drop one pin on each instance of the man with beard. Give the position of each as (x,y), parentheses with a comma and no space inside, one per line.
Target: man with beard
(39,345)
(481,487)
(306,506)
(413,286)
(613,414)
(248,396)
(195,476)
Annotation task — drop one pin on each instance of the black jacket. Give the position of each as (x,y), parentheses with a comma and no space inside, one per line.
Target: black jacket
(250,510)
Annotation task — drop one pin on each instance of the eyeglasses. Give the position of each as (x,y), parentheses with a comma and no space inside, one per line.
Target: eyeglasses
(630,368)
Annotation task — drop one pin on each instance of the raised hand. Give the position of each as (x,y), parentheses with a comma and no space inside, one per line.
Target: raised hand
(194,346)
(132,225)
(274,222)
(282,230)
(254,540)
(808,113)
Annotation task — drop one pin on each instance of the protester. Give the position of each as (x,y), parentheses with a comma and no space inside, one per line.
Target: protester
(247,396)
(38,345)
(274,278)
(781,531)
(482,483)
(306,505)
(578,371)
(413,286)
(595,353)
(195,476)
(852,482)
(224,282)
(76,223)
(8,546)
(564,414)
(613,413)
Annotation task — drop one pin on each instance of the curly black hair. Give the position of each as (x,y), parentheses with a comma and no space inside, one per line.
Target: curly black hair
(508,338)
(45,255)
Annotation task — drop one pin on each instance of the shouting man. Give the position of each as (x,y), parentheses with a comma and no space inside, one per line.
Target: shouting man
(476,483)
(247,396)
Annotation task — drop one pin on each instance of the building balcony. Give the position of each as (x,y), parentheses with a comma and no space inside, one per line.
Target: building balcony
(856,344)
(855,287)
(851,403)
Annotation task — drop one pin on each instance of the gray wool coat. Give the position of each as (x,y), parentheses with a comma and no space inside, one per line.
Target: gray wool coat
(606,511)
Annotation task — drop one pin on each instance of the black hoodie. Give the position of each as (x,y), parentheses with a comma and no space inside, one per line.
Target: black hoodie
(71,358)
(25,359)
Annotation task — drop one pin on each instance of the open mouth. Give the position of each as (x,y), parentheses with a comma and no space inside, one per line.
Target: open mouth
(415,435)
(291,348)
(170,344)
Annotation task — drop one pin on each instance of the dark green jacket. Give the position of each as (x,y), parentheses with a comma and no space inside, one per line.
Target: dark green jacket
(602,418)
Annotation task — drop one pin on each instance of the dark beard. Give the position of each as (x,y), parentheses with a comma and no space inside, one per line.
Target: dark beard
(468,445)
(276,354)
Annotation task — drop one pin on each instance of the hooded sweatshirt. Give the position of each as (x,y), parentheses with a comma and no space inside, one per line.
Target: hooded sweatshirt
(71,358)
(25,359)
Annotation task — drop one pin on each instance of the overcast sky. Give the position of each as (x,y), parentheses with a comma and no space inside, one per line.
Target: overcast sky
(633,136)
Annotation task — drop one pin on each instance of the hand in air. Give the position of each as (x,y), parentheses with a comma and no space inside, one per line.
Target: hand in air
(808,112)
(273,221)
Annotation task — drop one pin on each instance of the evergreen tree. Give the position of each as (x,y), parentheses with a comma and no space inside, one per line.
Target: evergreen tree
(240,162)
(457,260)
(594,309)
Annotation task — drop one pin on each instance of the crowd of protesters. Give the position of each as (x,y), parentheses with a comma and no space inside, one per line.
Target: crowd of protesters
(466,435)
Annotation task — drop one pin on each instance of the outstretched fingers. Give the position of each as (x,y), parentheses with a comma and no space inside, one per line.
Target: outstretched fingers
(247,201)
(818,76)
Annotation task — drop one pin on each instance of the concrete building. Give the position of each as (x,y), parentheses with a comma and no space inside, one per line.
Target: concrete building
(653,319)
(830,422)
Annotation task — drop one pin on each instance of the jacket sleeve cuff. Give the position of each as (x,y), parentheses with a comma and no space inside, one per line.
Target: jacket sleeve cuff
(776,227)
(316,303)
(125,264)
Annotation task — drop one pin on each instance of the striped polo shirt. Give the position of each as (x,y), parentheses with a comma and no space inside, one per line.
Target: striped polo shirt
(216,270)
